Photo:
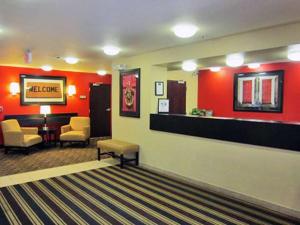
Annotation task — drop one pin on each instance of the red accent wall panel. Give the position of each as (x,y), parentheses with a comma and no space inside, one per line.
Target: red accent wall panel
(215,91)
(266,91)
(11,104)
(247,92)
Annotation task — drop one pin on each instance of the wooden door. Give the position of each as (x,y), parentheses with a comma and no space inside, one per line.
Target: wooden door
(100,109)
(176,93)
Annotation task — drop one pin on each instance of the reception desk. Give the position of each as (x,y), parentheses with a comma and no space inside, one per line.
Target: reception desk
(275,134)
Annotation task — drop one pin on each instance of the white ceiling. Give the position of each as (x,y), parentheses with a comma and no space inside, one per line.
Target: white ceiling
(53,28)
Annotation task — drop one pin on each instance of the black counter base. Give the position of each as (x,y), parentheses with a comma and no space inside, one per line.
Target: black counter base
(263,133)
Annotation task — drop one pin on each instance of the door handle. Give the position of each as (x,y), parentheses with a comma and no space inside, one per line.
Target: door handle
(107,110)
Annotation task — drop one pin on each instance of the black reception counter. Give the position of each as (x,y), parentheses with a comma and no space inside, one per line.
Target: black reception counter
(284,135)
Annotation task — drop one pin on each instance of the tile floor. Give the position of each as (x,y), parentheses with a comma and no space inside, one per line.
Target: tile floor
(53,172)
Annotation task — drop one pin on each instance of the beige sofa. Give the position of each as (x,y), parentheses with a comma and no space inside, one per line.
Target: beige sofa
(19,137)
(77,131)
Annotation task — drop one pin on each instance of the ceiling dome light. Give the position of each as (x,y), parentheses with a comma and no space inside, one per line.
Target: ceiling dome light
(71,60)
(235,60)
(294,52)
(46,68)
(101,72)
(111,50)
(253,65)
(294,55)
(185,30)
(189,66)
(215,69)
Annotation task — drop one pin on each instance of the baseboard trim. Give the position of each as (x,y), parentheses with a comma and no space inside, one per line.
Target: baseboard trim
(228,193)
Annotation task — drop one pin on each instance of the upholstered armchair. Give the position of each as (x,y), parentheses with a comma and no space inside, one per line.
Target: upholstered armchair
(19,137)
(77,131)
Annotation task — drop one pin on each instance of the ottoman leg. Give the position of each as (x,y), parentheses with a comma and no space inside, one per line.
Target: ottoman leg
(99,156)
(121,161)
(137,158)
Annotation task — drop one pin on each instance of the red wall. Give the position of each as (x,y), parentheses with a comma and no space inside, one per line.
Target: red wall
(11,104)
(215,91)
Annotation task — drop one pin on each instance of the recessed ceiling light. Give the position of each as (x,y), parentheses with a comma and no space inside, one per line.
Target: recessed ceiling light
(101,72)
(254,65)
(294,53)
(215,69)
(189,66)
(46,68)
(111,50)
(71,60)
(185,30)
(235,60)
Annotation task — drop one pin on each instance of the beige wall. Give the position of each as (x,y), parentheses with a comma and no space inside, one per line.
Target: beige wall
(268,174)
(191,80)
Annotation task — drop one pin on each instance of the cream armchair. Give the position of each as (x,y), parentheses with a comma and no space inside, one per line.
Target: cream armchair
(19,137)
(77,131)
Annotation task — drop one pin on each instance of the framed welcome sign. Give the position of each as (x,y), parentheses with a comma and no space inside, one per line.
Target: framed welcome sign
(130,93)
(259,92)
(42,90)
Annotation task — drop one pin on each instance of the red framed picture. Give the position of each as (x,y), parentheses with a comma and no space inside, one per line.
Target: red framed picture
(130,93)
(259,92)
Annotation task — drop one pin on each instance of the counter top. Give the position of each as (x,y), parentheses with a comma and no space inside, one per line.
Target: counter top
(232,118)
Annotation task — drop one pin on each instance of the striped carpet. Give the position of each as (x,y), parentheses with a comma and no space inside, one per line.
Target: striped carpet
(129,196)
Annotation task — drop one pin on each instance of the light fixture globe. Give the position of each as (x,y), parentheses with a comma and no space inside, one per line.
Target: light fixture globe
(294,52)
(235,60)
(294,55)
(111,50)
(185,30)
(215,69)
(46,68)
(189,66)
(254,65)
(101,72)
(71,60)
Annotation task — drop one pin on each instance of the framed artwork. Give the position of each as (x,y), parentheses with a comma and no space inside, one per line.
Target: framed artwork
(42,90)
(163,105)
(130,93)
(259,92)
(159,88)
